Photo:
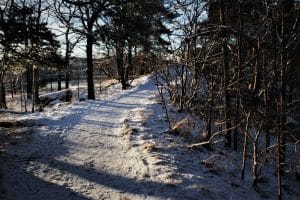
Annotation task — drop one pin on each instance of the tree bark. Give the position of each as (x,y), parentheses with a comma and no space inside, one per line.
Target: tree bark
(29,79)
(238,95)
(89,58)
(36,85)
(266,104)
(254,167)
(120,64)
(283,83)
(210,114)
(245,148)
(129,64)
(67,59)
(59,81)
(2,92)
(225,78)
(67,77)
(33,93)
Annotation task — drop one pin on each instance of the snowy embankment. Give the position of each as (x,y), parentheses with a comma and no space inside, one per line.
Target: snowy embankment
(53,97)
(113,148)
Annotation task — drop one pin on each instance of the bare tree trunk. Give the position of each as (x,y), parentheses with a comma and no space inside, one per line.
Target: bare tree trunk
(33,93)
(238,95)
(2,92)
(89,58)
(279,156)
(182,95)
(210,114)
(129,64)
(283,85)
(67,59)
(36,84)
(245,147)
(67,77)
(23,96)
(59,81)
(120,64)
(266,102)
(225,77)
(12,88)
(278,120)
(254,167)
(255,156)
(29,81)
(51,84)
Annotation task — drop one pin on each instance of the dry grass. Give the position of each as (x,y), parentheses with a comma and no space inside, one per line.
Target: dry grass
(126,130)
(185,129)
(125,198)
(149,147)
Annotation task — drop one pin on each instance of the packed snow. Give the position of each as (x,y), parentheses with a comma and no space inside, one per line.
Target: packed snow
(117,148)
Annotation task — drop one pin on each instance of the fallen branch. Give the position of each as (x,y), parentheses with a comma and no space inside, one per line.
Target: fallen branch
(206,144)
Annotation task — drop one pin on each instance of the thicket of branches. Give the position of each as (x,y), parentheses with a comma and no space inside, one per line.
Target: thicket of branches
(239,70)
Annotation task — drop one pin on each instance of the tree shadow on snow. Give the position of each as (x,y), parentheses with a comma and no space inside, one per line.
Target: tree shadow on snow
(17,176)
(23,177)
(127,185)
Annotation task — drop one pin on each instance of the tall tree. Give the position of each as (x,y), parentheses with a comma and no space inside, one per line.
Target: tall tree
(25,34)
(89,13)
(65,13)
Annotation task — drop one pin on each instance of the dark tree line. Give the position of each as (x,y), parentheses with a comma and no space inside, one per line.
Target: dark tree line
(124,26)
(25,43)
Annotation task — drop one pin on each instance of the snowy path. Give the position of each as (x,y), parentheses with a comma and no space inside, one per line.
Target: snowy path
(78,153)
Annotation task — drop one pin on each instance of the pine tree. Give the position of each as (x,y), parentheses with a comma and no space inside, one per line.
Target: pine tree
(134,23)
(23,34)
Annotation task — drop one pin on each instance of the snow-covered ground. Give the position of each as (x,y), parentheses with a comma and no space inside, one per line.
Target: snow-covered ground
(116,148)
